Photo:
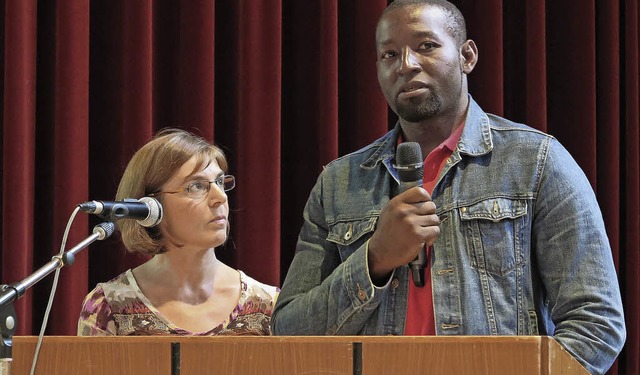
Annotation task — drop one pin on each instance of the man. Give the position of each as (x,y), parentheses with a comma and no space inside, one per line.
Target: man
(515,239)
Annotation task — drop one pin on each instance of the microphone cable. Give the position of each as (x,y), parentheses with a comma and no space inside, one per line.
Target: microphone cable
(53,292)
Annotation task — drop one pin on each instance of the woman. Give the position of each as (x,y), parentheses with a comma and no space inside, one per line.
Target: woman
(183,289)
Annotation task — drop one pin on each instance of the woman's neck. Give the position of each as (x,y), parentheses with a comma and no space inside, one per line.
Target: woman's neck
(182,274)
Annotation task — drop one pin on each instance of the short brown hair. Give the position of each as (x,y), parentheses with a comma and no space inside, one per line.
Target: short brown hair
(150,168)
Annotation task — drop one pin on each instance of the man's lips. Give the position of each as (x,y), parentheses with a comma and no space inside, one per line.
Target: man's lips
(412,89)
(412,86)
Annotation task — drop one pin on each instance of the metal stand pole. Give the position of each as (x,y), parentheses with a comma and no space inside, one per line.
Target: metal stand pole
(10,293)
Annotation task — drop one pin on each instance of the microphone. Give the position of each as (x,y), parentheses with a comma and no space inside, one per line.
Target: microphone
(410,170)
(146,210)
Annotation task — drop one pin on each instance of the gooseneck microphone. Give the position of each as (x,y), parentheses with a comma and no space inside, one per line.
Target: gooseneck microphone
(410,170)
(146,210)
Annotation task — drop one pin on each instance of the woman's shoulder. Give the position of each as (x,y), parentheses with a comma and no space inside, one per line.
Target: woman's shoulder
(98,308)
(119,293)
(254,288)
(119,285)
(101,289)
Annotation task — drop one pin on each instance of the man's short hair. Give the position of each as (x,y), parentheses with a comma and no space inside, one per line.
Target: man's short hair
(456,24)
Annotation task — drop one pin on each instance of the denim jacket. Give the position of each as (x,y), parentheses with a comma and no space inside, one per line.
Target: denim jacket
(522,247)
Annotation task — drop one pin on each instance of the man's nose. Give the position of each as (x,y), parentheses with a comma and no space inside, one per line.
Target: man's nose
(408,62)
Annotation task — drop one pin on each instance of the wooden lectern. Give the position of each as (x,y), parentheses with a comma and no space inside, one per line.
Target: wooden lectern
(177,355)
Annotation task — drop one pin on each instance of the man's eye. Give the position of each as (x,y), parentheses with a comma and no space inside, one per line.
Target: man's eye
(388,54)
(427,46)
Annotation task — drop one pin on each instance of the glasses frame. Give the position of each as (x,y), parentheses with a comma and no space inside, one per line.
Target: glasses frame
(186,188)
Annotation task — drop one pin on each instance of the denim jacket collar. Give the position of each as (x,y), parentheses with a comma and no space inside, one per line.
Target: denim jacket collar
(383,149)
(476,135)
(475,139)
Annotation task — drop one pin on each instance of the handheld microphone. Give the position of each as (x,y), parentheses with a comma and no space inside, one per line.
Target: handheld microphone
(410,170)
(146,210)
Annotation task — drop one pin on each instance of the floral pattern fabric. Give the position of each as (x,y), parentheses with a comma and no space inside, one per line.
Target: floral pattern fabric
(118,307)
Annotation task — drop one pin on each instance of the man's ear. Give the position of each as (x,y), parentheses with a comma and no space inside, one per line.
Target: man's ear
(468,56)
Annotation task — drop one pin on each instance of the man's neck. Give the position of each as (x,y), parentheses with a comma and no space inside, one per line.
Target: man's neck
(432,132)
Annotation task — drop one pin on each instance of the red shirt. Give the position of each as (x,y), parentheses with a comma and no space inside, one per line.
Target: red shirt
(420,320)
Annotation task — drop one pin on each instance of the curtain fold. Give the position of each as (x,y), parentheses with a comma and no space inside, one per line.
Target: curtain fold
(69,146)
(135,69)
(121,112)
(630,202)
(18,151)
(524,69)
(571,90)
(283,87)
(309,106)
(488,75)
(608,121)
(196,67)
(256,200)
(535,104)
(362,108)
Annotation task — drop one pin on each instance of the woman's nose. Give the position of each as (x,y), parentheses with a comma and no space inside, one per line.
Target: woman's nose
(216,194)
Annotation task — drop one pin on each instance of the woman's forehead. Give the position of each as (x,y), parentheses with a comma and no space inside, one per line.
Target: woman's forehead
(204,165)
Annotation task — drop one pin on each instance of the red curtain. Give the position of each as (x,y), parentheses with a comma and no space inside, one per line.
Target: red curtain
(284,87)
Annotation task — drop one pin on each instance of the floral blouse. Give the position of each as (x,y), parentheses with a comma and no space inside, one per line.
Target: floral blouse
(118,307)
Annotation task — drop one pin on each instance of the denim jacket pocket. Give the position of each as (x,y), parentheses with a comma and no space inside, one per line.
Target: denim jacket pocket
(349,235)
(493,235)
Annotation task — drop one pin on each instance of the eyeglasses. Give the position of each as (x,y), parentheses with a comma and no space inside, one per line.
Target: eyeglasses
(199,189)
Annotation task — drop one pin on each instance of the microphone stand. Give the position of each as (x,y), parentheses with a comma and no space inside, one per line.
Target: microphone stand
(10,293)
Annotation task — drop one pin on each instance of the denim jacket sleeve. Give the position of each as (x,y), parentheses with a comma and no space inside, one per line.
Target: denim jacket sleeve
(575,265)
(324,294)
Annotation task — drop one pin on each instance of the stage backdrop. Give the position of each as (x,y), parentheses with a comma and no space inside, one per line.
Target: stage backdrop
(284,87)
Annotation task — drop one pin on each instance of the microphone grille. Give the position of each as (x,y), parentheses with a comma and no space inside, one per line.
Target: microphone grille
(155,212)
(408,153)
(409,161)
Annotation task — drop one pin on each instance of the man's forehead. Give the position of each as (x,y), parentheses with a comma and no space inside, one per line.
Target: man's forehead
(420,20)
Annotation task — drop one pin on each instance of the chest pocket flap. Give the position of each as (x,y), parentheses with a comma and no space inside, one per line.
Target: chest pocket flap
(351,234)
(347,232)
(495,209)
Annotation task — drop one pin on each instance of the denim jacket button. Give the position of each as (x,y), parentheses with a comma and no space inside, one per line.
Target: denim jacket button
(362,295)
(395,283)
(347,236)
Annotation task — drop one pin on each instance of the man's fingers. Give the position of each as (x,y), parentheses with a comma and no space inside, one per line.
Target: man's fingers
(429,220)
(415,195)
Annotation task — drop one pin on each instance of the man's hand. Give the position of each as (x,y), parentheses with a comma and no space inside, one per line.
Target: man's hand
(406,224)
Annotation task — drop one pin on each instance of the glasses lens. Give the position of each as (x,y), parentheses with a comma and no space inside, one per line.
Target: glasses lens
(198,189)
(229,182)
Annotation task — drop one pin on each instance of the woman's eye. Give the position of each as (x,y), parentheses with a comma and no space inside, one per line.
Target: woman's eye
(197,186)
(219,181)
